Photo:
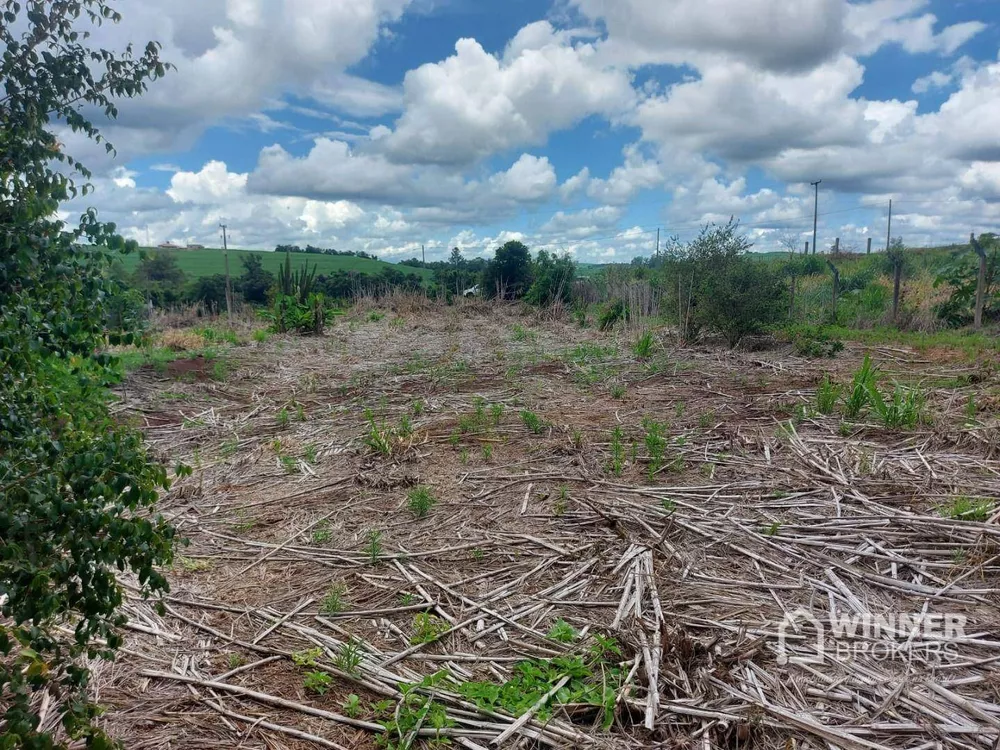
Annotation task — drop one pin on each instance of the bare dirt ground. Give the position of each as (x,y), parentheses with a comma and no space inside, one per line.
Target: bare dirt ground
(555,539)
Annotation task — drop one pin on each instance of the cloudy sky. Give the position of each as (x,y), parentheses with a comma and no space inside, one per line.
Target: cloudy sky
(577,125)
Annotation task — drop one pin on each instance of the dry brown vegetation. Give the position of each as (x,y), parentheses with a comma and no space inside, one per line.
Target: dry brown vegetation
(543,535)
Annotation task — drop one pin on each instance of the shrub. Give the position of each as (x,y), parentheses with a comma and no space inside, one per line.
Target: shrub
(532,421)
(827,396)
(814,342)
(611,313)
(740,296)
(420,501)
(643,346)
(553,279)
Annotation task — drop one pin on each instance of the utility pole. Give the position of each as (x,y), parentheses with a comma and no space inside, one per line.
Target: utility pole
(229,288)
(869,246)
(657,242)
(423,254)
(815,212)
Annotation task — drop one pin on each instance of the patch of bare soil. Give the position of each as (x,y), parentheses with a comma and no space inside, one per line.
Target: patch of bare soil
(681,547)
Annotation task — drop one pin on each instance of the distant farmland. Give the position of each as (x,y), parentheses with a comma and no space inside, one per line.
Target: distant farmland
(198,263)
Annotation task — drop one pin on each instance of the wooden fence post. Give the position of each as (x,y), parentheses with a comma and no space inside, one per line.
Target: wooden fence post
(836,246)
(869,246)
(836,288)
(981,283)
(807,247)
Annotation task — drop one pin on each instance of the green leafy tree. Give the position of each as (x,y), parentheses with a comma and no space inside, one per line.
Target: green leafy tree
(255,282)
(160,278)
(553,279)
(209,291)
(508,275)
(77,489)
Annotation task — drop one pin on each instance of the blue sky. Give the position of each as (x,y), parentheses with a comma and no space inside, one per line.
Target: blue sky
(579,126)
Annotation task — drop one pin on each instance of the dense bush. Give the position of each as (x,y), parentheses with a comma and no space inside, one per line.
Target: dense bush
(209,291)
(553,279)
(161,279)
(78,488)
(961,275)
(741,296)
(814,342)
(255,283)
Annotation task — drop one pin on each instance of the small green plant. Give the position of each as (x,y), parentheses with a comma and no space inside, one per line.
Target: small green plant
(669,505)
(427,628)
(244,522)
(643,347)
(706,419)
(477,554)
(235,660)
(827,396)
(862,384)
(420,501)
(562,632)
(405,426)
(220,371)
(576,439)
(310,452)
(561,502)
(290,464)
(417,407)
(317,682)
(375,316)
(523,334)
(406,599)
(679,409)
(307,658)
(656,444)
(455,437)
(487,451)
(964,508)
(414,712)
(611,313)
(379,437)
(904,409)
(617,451)
(283,418)
(191,565)
(814,342)
(496,411)
(349,657)
(971,410)
(373,545)
(261,335)
(772,530)
(463,456)
(618,391)
(229,448)
(300,413)
(333,603)
(352,706)
(958,556)
(321,533)
(532,421)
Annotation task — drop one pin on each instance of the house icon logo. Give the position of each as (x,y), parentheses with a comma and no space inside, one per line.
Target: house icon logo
(801,637)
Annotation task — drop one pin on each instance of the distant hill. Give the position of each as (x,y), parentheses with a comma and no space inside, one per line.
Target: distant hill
(198,263)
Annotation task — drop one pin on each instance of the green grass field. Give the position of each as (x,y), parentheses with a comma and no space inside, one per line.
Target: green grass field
(198,263)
